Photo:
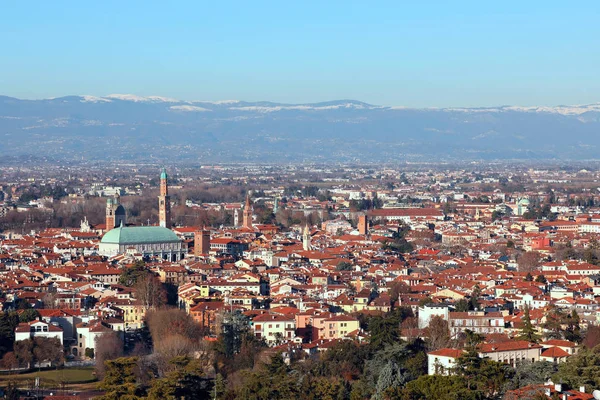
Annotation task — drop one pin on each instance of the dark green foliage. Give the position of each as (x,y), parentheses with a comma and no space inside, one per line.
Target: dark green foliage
(8,323)
(89,353)
(398,243)
(343,266)
(435,387)
(28,315)
(532,373)
(528,331)
(581,369)
(119,380)
(131,275)
(185,382)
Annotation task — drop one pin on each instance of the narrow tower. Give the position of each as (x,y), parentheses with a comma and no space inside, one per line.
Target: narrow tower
(306,238)
(164,201)
(201,242)
(110,214)
(236,218)
(115,212)
(247,215)
(363,225)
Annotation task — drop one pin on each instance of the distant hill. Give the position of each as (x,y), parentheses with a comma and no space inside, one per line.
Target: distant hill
(128,127)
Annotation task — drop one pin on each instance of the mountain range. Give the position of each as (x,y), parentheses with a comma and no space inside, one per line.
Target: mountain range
(135,128)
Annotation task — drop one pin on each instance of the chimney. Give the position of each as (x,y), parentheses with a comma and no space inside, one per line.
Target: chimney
(558,387)
(582,389)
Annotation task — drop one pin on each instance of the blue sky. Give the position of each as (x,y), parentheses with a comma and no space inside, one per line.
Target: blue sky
(417,53)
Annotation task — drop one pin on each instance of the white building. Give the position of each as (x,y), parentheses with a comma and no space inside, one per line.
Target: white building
(442,361)
(272,327)
(87,335)
(33,329)
(428,311)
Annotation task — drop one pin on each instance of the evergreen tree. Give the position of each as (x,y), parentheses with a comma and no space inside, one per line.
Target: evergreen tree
(119,380)
(528,332)
(573,330)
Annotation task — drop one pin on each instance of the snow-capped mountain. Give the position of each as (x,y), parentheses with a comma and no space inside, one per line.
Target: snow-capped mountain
(124,126)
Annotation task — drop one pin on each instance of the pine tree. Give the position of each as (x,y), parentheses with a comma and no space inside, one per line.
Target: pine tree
(528,331)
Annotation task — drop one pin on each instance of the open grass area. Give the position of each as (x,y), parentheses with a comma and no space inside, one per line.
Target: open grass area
(52,377)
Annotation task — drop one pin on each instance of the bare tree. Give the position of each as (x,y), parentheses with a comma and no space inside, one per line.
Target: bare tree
(529,261)
(24,352)
(109,346)
(410,328)
(9,361)
(150,292)
(49,300)
(47,349)
(438,333)
(168,321)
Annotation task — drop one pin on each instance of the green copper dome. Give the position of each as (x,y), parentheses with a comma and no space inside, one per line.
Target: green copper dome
(163,174)
(139,235)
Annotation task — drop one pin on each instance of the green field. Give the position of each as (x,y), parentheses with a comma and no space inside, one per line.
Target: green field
(52,377)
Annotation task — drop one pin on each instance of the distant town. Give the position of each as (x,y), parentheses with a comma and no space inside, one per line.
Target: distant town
(341,281)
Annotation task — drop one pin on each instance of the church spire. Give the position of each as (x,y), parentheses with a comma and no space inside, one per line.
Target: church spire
(247,214)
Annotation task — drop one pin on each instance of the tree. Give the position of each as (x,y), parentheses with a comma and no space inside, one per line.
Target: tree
(592,337)
(462,305)
(528,332)
(10,361)
(272,381)
(343,266)
(529,261)
(30,314)
(553,323)
(572,331)
(24,352)
(474,299)
(532,373)
(49,300)
(47,350)
(481,375)
(8,323)
(119,380)
(150,292)
(383,331)
(109,346)
(541,279)
(582,369)
(438,333)
(185,381)
(130,275)
(397,289)
(424,301)
(233,331)
(435,387)
(89,353)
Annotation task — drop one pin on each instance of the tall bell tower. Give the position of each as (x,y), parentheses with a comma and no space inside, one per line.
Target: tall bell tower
(247,214)
(164,201)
